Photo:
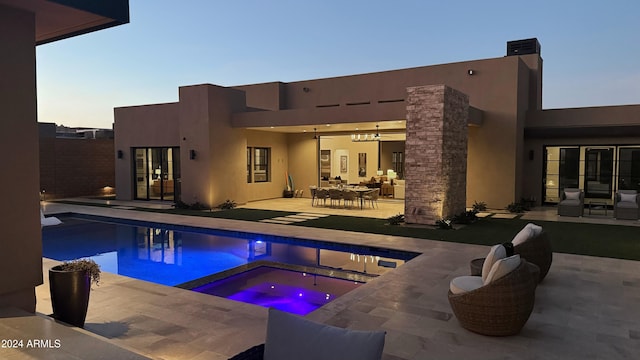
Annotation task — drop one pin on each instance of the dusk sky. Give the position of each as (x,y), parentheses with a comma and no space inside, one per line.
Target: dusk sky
(590,48)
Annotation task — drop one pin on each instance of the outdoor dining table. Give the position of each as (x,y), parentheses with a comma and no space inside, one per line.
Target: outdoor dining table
(360,190)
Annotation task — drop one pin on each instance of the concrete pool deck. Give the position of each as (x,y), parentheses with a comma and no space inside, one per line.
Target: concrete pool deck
(586,308)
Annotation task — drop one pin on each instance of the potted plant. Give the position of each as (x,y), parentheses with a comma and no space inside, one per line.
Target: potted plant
(70,285)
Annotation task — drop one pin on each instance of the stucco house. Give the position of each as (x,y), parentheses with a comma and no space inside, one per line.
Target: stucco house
(455,133)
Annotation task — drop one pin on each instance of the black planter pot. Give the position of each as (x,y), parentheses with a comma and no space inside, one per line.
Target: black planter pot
(69,295)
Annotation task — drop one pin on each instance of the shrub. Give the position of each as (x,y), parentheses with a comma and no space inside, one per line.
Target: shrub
(466,217)
(479,206)
(87,265)
(444,224)
(515,207)
(228,204)
(182,205)
(195,206)
(396,219)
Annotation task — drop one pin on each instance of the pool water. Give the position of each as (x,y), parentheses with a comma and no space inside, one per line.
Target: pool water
(292,291)
(191,257)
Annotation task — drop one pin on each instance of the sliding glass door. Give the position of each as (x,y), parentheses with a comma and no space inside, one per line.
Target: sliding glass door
(157,173)
(599,170)
(598,177)
(629,172)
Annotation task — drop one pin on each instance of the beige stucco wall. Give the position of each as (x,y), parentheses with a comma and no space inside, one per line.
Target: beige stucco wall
(141,126)
(213,122)
(21,242)
(278,145)
(218,172)
(504,89)
(303,161)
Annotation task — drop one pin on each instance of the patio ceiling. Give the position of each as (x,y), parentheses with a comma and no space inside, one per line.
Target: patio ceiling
(393,126)
(60,19)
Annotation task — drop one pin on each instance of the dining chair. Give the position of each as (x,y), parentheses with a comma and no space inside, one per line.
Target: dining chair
(335,195)
(350,197)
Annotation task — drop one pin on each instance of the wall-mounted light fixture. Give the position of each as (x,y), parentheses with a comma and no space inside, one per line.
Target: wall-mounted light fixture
(120,154)
(306,89)
(192,154)
(471,72)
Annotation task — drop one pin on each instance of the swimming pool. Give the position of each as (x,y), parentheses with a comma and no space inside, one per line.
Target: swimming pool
(292,291)
(190,257)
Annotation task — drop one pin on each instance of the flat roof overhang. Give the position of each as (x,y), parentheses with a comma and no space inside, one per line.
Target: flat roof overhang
(61,19)
(390,116)
(581,132)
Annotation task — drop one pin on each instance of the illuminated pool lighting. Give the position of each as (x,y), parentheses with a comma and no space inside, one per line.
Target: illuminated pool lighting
(282,289)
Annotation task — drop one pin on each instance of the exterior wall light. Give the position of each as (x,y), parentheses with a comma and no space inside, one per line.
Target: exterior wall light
(471,72)
(192,154)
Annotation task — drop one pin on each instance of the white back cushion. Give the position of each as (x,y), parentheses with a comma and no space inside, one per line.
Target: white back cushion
(572,195)
(502,267)
(293,337)
(627,197)
(529,231)
(522,236)
(496,253)
(535,229)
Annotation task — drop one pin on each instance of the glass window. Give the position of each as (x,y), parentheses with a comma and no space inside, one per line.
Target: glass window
(249,180)
(397,162)
(260,164)
(629,169)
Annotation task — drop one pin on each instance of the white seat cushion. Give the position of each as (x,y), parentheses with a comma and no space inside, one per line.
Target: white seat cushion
(463,284)
(627,205)
(496,253)
(293,337)
(502,267)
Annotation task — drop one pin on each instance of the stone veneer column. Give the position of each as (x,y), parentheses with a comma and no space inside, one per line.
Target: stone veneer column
(435,153)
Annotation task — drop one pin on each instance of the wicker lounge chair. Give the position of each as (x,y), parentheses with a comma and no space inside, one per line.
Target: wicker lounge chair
(500,308)
(537,250)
